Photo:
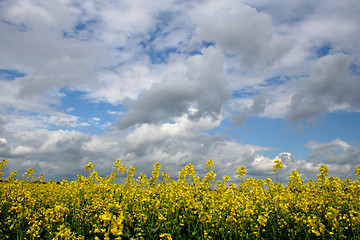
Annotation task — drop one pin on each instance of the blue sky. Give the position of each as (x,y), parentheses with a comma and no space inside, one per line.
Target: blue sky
(178,82)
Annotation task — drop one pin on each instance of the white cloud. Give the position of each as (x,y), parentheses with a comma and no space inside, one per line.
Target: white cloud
(21,150)
(309,26)
(18,122)
(241,29)
(63,153)
(125,82)
(262,165)
(334,152)
(258,105)
(60,140)
(56,154)
(182,128)
(37,15)
(339,156)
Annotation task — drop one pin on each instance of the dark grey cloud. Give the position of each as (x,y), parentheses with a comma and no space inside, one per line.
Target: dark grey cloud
(258,106)
(161,102)
(203,88)
(3,121)
(331,85)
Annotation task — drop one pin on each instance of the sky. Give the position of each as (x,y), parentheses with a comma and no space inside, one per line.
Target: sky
(180,81)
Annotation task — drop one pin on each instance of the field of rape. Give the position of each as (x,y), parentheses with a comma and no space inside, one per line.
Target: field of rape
(190,207)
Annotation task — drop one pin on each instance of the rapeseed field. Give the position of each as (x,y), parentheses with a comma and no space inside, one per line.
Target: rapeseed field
(190,207)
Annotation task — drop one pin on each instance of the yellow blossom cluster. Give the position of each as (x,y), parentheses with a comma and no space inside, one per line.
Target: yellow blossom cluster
(189,207)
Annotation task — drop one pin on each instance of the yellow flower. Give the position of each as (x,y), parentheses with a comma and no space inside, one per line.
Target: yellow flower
(161,217)
(262,220)
(278,165)
(226,178)
(327,208)
(165,176)
(89,167)
(241,171)
(106,218)
(167,235)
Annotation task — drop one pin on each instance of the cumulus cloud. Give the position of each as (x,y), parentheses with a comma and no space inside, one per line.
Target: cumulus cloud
(334,152)
(203,88)
(177,144)
(160,103)
(320,67)
(330,86)
(258,106)
(30,15)
(62,154)
(241,29)
(21,150)
(33,42)
(125,82)
(183,128)
(53,153)
(3,121)
(339,156)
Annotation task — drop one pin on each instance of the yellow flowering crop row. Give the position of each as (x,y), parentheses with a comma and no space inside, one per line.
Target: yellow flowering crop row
(190,207)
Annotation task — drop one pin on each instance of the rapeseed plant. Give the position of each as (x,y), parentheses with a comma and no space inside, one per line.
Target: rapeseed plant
(2,164)
(94,207)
